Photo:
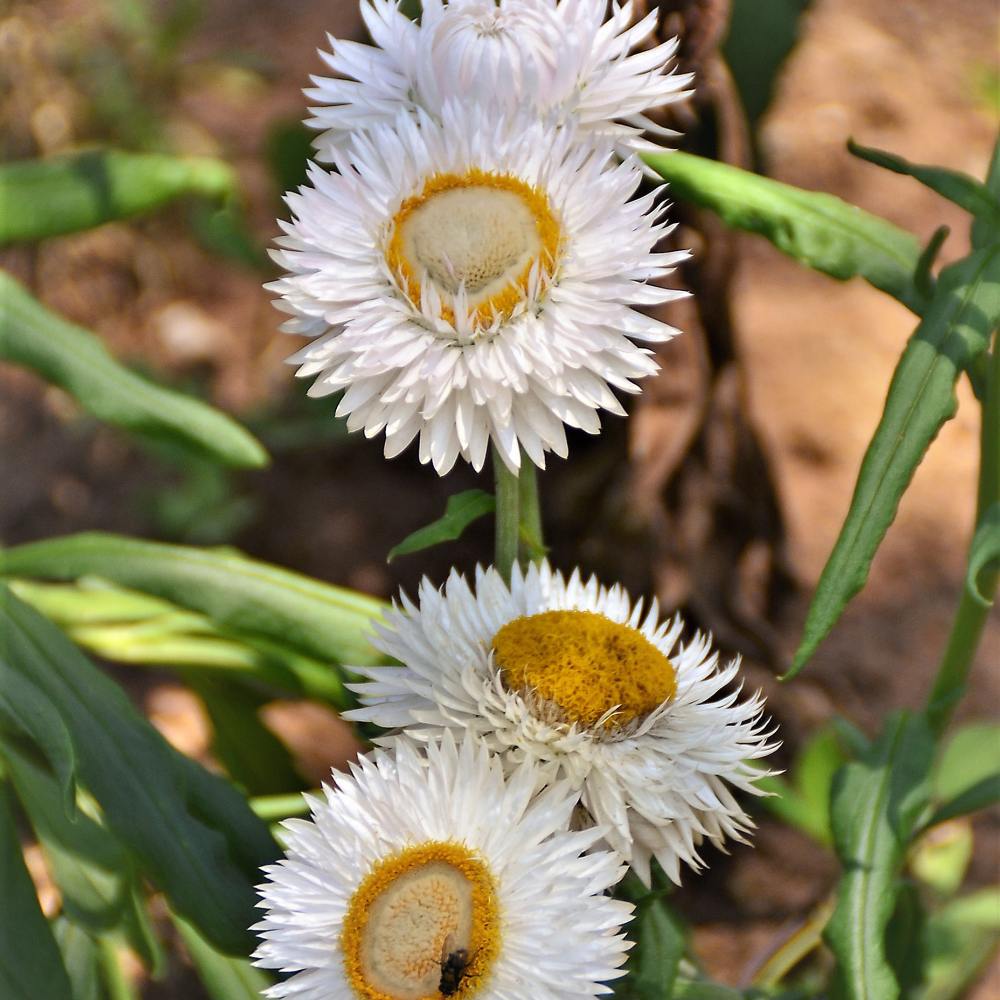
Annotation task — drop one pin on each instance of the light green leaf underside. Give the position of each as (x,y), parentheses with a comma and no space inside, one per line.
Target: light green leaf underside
(75,360)
(314,618)
(63,194)
(817,229)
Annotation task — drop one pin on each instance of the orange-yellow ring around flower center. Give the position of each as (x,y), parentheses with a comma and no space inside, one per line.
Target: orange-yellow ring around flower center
(486,228)
(413,910)
(584,664)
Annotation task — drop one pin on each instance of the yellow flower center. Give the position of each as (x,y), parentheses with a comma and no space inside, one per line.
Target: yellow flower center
(421,925)
(482,231)
(580,665)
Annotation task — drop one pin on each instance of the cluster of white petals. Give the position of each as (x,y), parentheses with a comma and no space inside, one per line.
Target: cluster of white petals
(426,365)
(660,787)
(561,59)
(559,933)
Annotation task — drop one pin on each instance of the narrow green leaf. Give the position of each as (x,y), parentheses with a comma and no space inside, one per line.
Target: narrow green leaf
(98,880)
(25,711)
(902,940)
(462,509)
(90,867)
(984,551)
(256,598)
(75,360)
(921,398)
(876,803)
(90,601)
(225,978)
(659,945)
(982,795)
(63,194)
(821,231)
(79,957)
(191,832)
(126,626)
(922,277)
(959,942)
(971,755)
(984,232)
(30,965)
(961,189)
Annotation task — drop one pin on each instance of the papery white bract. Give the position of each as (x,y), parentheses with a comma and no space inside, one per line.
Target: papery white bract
(472,281)
(659,778)
(562,59)
(410,829)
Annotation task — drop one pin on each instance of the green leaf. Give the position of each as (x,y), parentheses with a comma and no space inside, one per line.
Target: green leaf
(658,945)
(959,942)
(921,398)
(941,860)
(923,277)
(876,803)
(225,978)
(461,510)
(981,795)
(97,879)
(821,231)
(80,958)
(984,551)
(961,189)
(971,756)
(64,194)
(90,867)
(125,626)
(25,711)
(192,833)
(251,597)
(902,940)
(30,966)
(984,232)
(75,360)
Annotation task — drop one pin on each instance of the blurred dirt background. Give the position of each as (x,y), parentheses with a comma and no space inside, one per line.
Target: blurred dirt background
(723,494)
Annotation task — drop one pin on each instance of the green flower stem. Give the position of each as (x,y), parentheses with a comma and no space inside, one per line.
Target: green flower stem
(970,618)
(532,545)
(272,808)
(803,941)
(507,516)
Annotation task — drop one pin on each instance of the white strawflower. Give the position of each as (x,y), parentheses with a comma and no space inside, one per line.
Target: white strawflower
(572,676)
(562,59)
(471,281)
(427,874)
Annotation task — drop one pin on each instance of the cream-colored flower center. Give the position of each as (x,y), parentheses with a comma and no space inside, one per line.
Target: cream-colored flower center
(579,665)
(482,232)
(421,925)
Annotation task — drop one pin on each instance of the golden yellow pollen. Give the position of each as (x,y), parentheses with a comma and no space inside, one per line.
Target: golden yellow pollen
(584,664)
(410,912)
(481,230)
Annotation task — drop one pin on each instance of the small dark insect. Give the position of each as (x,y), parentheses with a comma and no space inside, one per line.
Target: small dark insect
(454,962)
